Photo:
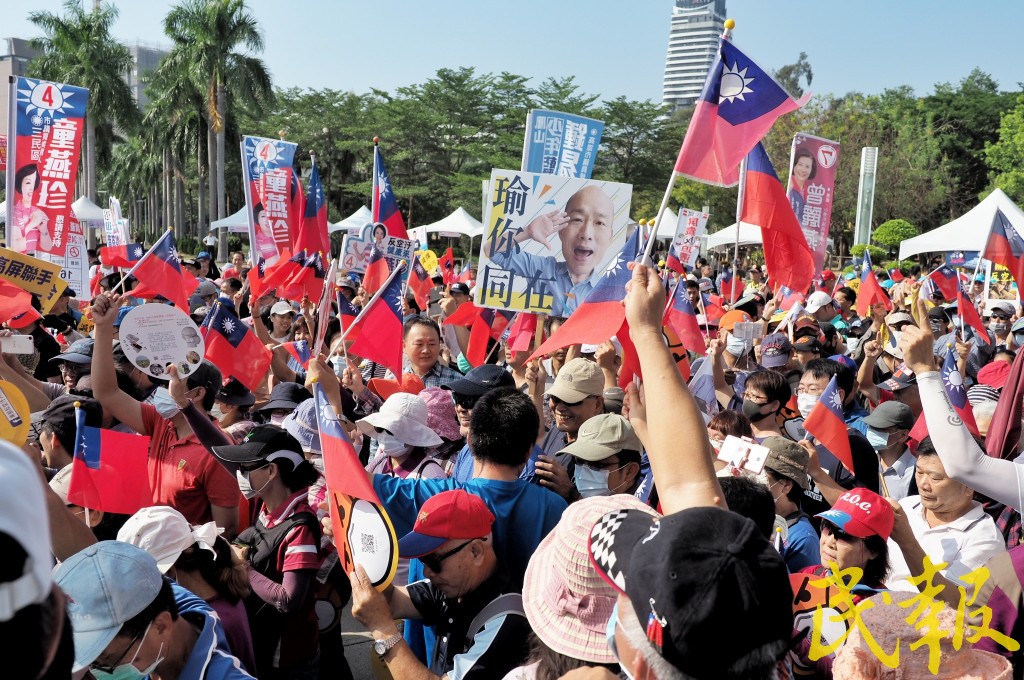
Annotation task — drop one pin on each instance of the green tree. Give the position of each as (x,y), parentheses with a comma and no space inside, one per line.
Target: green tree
(77,48)
(1005,156)
(893,232)
(789,75)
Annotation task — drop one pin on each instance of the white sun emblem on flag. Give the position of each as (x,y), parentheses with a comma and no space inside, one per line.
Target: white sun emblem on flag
(614,268)
(228,325)
(382,182)
(954,381)
(835,402)
(136,252)
(734,84)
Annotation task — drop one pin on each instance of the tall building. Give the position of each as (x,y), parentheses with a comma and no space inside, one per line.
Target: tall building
(692,43)
(145,59)
(13,62)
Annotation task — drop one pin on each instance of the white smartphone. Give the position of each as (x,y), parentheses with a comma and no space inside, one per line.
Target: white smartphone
(17,344)
(744,454)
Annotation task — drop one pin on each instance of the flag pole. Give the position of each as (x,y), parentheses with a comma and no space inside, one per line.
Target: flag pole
(739,213)
(124,277)
(700,304)
(376,296)
(374,197)
(646,260)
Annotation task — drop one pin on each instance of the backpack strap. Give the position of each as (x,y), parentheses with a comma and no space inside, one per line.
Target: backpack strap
(509,603)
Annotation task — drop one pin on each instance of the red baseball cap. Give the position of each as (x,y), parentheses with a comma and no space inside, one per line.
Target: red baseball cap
(994,374)
(861,512)
(24,319)
(448,515)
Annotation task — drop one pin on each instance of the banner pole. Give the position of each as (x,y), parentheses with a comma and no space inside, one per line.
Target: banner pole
(646,260)
(739,213)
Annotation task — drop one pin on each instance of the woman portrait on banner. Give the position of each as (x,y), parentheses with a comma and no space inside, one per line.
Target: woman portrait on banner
(30,233)
(804,170)
(265,244)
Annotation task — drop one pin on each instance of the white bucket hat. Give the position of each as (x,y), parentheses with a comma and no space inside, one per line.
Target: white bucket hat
(164,533)
(406,417)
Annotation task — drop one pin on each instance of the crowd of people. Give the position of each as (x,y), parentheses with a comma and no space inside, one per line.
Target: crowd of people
(550,523)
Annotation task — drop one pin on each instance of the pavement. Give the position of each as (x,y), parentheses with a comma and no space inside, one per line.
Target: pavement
(358,645)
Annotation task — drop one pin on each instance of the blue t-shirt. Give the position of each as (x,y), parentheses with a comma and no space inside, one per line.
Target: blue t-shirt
(801,549)
(208,661)
(524,513)
(463,470)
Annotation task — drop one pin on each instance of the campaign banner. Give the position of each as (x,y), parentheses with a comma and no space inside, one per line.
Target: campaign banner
(685,247)
(548,239)
(34,275)
(812,179)
(355,249)
(559,143)
(961,258)
(270,191)
(3,152)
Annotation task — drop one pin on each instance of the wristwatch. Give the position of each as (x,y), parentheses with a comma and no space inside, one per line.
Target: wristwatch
(382,647)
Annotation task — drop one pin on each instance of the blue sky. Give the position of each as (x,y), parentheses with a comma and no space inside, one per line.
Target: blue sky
(613,47)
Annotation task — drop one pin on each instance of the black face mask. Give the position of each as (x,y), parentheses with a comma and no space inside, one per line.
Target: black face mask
(752,411)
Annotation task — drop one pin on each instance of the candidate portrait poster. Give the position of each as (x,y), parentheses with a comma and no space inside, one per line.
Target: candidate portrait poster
(271,196)
(559,143)
(812,180)
(548,239)
(46,123)
(685,246)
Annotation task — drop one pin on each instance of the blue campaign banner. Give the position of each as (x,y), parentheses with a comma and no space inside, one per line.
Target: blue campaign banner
(561,144)
(960,258)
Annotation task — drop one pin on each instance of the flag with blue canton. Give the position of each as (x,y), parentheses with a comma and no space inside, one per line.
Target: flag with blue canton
(233,347)
(956,390)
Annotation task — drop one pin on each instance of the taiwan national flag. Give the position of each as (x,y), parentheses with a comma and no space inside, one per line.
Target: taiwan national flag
(788,297)
(946,280)
(380,327)
(786,253)
(1005,246)
(682,318)
(827,424)
(159,273)
(347,313)
(737,107)
(110,470)
(871,292)
(519,334)
(420,284)
(956,390)
(484,324)
(601,315)
(299,351)
(377,270)
(124,255)
(466,275)
(969,315)
(385,205)
(233,347)
(447,264)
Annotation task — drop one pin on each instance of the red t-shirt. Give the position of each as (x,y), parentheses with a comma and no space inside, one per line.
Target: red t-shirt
(183,474)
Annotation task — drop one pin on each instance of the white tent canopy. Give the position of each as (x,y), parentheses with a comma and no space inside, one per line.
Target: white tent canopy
(238,222)
(87,212)
(750,234)
(459,222)
(354,222)
(967,232)
(667,225)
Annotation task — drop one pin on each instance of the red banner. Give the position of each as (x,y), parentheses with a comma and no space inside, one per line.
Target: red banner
(272,194)
(3,152)
(812,180)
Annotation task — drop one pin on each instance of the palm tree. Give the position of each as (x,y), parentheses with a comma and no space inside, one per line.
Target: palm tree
(212,41)
(78,49)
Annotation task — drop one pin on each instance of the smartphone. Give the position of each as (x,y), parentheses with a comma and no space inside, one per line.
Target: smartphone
(17,344)
(744,454)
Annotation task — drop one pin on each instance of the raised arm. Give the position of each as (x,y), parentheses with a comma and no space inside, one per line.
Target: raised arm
(678,449)
(104,378)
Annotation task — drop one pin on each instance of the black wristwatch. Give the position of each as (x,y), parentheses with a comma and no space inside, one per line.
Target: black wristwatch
(382,647)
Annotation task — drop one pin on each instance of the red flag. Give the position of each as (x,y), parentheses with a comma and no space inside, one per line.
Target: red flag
(1005,246)
(464,315)
(110,470)
(484,324)
(520,333)
(630,368)
(714,307)
(159,273)
(352,501)
(346,314)
(946,280)
(380,328)
(447,264)
(871,293)
(13,300)
(682,319)
(233,347)
(969,315)
(377,270)
(420,284)
(1004,432)
(124,255)
(826,423)
(786,253)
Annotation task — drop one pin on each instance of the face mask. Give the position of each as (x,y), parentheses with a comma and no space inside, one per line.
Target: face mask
(390,445)
(277,419)
(999,327)
(164,404)
(216,411)
(245,486)
(896,335)
(752,411)
(591,482)
(805,403)
(735,346)
(852,344)
(879,440)
(937,328)
(127,671)
(339,363)
(609,634)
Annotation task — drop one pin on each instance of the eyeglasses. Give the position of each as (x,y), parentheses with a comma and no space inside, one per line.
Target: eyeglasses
(466,401)
(555,401)
(838,533)
(756,398)
(109,669)
(601,465)
(433,562)
(1000,317)
(67,367)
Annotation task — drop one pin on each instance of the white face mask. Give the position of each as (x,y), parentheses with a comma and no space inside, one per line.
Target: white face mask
(277,419)
(590,482)
(735,346)
(879,440)
(339,364)
(805,403)
(164,404)
(216,411)
(390,445)
(245,486)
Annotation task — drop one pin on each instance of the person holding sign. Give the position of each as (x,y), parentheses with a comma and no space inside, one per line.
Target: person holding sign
(30,233)
(584,229)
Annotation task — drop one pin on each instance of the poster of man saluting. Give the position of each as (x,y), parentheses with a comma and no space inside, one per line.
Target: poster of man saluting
(548,239)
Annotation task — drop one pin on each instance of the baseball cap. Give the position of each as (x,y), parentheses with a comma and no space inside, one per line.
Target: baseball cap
(106,584)
(286,395)
(817,300)
(900,380)
(861,512)
(459,289)
(938,312)
(61,483)
(206,375)
(828,275)
(204,256)
(481,380)
(787,458)
(234,393)
(705,285)
(189,262)
(994,374)
(732,318)
(887,284)
(899,317)
(701,571)
(282,307)
(23,517)
(807,344)
(80,352)
(206,289)
(121,313)
(444,517)
(264,443)
(1001,306)
(775,349)
(603,436)
(577,380)
(60,414)
(164,533)
(24,319)
(890,414)
(845,361)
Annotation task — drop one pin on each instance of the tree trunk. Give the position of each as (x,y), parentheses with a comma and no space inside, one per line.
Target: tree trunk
(201,193)
(179,196)
(90,174)
(222,246)
(211,161)
(167,194)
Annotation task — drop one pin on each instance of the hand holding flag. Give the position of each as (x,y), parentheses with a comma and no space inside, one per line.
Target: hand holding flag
(827,424)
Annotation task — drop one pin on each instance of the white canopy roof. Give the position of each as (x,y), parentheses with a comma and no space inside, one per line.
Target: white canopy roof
(667,225)
(232,222)
(354,222)
(750,234)
(87,211)
(459,222)
(967,232)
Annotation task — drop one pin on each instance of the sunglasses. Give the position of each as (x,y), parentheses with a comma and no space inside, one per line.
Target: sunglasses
(555,401)
(434,562)
(1000,317)
(466,401)
(74,369)
(839,534)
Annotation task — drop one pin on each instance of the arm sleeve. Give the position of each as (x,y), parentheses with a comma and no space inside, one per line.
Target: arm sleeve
(207,432)
(285,597)
(1001,480)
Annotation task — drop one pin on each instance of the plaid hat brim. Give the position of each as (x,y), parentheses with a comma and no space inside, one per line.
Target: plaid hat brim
(612,541)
